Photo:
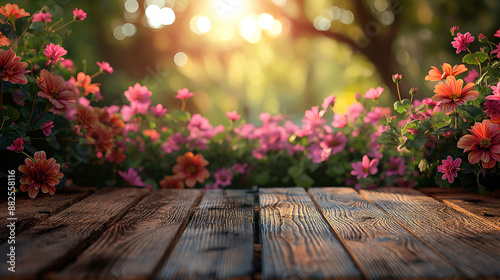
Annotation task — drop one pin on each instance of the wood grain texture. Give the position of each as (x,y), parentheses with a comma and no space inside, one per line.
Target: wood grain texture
(30,211)
(381,247)
(50,244)
(481,206)
(470,243)
(135,246)
(296,242)
(217,242)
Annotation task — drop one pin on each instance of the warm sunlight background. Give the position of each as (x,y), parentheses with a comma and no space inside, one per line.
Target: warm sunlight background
(279,56)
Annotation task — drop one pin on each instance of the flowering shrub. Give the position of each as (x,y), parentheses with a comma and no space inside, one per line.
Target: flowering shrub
(456,132)
(50,124)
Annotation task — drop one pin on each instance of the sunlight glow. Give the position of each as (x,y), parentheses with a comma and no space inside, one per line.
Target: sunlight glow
(266,21)
(131,6)
(203,24)
(280,3)
(276,29)
(157,17)
(228,8)
(249,29)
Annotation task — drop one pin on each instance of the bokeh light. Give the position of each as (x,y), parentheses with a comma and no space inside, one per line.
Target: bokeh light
(180,59)
(203,24)
(249,29)
(131,6)
(266,21)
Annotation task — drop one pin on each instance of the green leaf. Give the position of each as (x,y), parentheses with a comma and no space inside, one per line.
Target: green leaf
(473,111)
(304,181)
(295,171)
(472,59)
(388,138)
(418,142)
(12,113)
(402,106)
(443,129)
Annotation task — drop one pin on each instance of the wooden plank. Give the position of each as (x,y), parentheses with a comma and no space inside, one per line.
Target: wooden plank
(135,246)
(30,211)
(380,246)
(50,244)
(470,243)
(217,242)
(481,206)
(296,242)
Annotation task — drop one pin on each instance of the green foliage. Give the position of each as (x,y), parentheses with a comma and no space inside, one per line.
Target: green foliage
(402,106)
(473,58)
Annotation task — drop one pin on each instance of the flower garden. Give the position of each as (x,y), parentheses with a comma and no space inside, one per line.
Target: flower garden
(53,135)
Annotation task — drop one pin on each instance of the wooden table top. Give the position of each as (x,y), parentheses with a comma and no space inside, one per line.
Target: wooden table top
(279,233)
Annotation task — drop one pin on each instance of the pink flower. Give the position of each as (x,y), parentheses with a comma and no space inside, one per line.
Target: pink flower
(132,177)
(213,186)
(450,168)
(396,166)
(233,116)
(364,168)
(138,93)
(396,78)
(471,76)
(184,94)
(79,14)
(339,121)
(223,177)
(40,173)
(158,110)
(497,34)
(493,110)
(333,143)
(11,68)
(105,67)
(462,41)
(378,113)
(17,145)
(328,102)
(43,17)
(54,53)
(239,167)
(496,92)
(373,93)
(68,64)
(47,128)
(497,51)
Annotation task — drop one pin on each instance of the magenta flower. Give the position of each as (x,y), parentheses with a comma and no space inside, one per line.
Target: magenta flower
(17,145)
(497,51)
(462,41)
(223,177)
(43,17)
(373,93)
(105,67)
(138,93)
(184,94)
(471,76)
(239,168)
(54,53)
(496,92)
(396,78)
(132,177)
(233,116)
(158,110)
(79,14)
(497,34)
(454,30)
(364,168)
(450,168)
(328,102)
(493,110)
(396,166)
(68,64)
(47,128)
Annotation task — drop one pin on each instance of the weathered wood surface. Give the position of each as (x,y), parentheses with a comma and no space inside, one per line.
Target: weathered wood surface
(218,241)
(381,247)
(286,234)
(135,246)
(30,211)
(484,207)
(470,243)
(296,242)
(49,244)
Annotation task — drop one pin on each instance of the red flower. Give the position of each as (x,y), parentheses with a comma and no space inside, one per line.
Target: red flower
(17,145)
(40,172)
(192,168)
(4,41)
(184,94)
(11,68)
(43,17)
(436,75)
(12,11)
(483,143)
(451,94)
(105,67)
(462,41)
(47,128)
(55,90)
(84,81)
(493,110)
(450,168)
(79,14)
(54,53)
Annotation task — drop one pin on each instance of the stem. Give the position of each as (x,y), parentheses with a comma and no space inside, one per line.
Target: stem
(63,25)
(97,73)
(399,95)
(3,121)
(183,106)
(28,156)
(1,100)
(39,117)
(32,109)
(478,62)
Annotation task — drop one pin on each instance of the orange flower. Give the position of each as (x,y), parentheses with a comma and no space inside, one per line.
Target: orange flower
(192,168)
(113,121)
(4,41)
(12,12)
(40,173)
(436,75)
(86,117)
(55,90)
(451,94)
(11,68)
(84,81)
(483,143)
(102,138)
(172,182)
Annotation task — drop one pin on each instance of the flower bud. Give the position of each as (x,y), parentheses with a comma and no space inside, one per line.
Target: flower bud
(413,91)
(482,38)
(397,78)
(454,30)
